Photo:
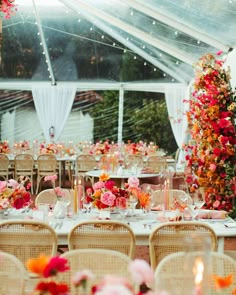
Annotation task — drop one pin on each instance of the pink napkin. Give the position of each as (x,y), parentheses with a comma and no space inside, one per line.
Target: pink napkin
(213,214)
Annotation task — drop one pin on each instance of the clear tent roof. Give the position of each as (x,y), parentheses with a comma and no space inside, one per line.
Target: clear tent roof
(95,40)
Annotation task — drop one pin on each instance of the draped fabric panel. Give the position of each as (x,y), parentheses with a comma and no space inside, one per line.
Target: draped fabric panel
(231,63)
(8,126)
(53,105)
(175,95)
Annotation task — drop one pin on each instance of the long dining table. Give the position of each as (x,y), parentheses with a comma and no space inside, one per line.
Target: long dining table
(141,224)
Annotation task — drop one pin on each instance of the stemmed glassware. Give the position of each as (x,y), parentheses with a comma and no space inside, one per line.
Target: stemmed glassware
(87,204)
(122,206)
(132,202)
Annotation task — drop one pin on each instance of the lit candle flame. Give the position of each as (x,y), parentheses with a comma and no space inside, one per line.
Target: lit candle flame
(198,270)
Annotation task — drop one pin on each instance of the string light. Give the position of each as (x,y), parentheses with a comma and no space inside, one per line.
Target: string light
(176,33)
(131,13)
(153,22)
(135,57)
(145,63)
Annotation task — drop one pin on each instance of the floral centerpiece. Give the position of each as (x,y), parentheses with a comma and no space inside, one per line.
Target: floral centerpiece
(14,194)
(211,151)
(50,148)
(4,147)
(105,194)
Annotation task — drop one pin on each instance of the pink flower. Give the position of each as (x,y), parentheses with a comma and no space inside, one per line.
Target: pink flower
(4,203)
(81,277)
(216,204)
(55,265)
(108,199)
(13,183)
(141,272)
(213,167)
(133,181)
(98,185)
(50,178)
(59,192)
(3,186)
(219,52)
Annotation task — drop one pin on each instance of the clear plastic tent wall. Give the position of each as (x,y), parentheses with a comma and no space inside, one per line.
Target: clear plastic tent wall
(89,43)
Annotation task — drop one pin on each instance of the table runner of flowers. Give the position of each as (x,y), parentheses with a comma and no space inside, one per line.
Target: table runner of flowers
(211,150)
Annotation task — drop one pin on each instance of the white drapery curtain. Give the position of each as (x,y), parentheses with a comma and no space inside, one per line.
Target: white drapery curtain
(8,126)
(175,96)
(53,105)
(231,62)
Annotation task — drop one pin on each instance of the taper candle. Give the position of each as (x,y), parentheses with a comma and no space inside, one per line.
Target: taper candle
(75,197)
(80,195)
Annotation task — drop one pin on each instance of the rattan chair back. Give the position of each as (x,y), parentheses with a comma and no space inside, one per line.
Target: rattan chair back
(49,197)
(27,239)
(100,262)
(47,165)
(156,163)
(172,237)
(175,272)
(24,166)
(4,166)
(84,163)
(103,234)
(12,275)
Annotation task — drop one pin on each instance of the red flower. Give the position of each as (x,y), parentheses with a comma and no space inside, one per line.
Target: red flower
(55,265)
(52,288)
(109,184)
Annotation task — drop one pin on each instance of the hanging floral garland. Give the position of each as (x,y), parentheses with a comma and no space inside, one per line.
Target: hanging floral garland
(211,152)
(7,7)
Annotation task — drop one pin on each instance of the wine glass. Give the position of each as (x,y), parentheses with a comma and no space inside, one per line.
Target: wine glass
(198,200)
(121,204)
(132,202)
(87,204)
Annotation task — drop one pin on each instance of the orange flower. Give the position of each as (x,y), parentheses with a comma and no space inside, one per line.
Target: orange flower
(97,194)
(37,265)
(104,177)
(144,199)
(234,291)
(223,282)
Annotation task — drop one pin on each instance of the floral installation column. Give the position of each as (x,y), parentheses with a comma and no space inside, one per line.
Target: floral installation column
(211,150)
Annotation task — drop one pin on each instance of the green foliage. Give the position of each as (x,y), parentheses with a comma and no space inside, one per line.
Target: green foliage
(144,119)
